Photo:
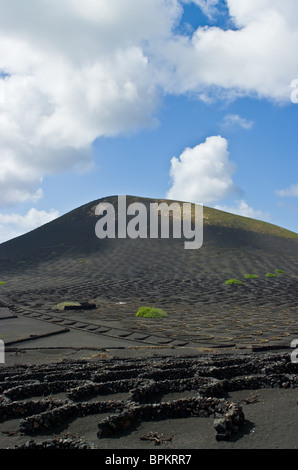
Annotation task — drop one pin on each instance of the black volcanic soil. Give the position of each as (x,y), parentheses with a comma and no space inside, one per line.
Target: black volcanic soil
(223,328)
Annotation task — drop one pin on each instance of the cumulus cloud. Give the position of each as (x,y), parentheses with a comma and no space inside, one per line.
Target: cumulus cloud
(50,119)
(72,73)
(203,174)
(231,121)
(13,225)
(292,191)
(255,58)
(242,208)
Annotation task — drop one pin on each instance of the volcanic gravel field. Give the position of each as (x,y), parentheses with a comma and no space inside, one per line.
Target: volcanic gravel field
(218,372)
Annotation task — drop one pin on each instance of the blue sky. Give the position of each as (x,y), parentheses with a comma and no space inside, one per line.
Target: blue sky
(183,99)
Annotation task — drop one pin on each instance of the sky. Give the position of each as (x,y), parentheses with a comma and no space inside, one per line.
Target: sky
(194,100)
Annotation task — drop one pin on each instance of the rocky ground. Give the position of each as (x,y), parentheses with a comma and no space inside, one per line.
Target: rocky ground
(140,403)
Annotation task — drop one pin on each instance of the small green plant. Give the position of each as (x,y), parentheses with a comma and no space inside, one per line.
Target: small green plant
(234,282)
(271,275)
(2,283)
(251,276)
(149,312)
(62,305)
(280,271)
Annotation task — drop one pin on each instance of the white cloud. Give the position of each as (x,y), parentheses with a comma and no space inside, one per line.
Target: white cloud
(203,174)
(14,225)
(257,59)
(208,7)
(50,119)
(73,73)
(234,120)
(292,191)
(247,11)
(243,209)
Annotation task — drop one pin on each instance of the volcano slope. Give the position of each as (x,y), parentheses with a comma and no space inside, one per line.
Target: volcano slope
(108,280)
(65,261)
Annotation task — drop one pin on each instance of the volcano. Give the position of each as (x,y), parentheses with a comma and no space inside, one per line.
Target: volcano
(239,289)
(69,324)
(232,246)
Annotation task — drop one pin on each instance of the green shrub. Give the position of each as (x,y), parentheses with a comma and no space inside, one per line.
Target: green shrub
(149,312)
(280,271)
(2,283)
(234,282)
(62,305)
(271,275)
(251,276)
